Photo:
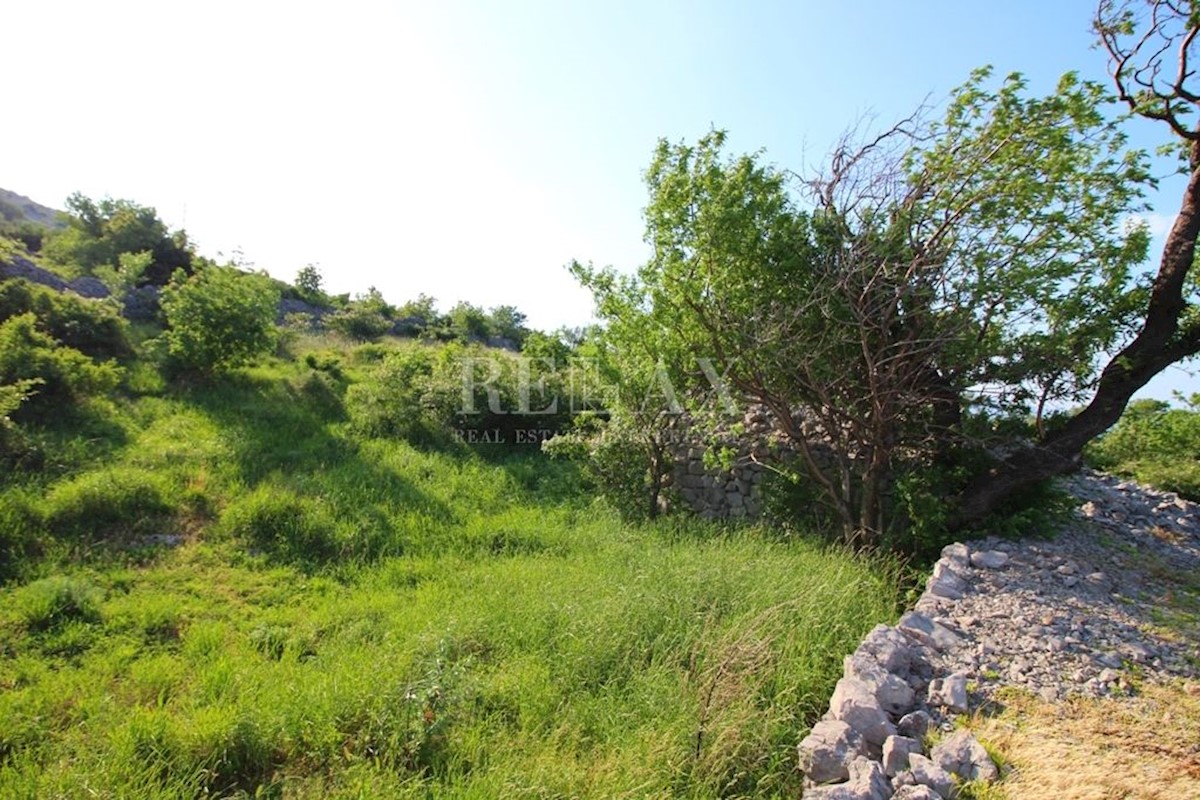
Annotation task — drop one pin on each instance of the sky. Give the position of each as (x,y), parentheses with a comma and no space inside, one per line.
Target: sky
(467,149)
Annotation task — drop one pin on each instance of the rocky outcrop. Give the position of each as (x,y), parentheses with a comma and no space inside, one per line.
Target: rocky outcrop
(1057,618)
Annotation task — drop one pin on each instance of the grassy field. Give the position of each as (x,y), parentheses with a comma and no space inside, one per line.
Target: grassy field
(222,592)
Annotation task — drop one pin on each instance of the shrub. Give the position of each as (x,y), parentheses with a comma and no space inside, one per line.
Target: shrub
(359,323)
(90,326)
(49,372)
(1156,444)
(219,319)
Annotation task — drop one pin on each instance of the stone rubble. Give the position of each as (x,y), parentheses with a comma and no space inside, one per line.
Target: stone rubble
(1069,615)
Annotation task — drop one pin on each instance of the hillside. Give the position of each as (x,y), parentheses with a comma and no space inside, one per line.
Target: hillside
(16,208)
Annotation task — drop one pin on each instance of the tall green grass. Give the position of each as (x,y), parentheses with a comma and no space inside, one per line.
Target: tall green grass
(349,617)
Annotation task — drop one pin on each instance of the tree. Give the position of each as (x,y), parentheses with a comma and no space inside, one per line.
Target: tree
(508,323)
(98,233)
(308,281)
(977,263)
(219,318)
(1141,40)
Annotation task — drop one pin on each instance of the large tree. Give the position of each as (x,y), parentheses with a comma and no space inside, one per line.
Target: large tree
(982,262)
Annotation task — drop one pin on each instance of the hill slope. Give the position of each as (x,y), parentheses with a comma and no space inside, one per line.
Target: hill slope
(15,208)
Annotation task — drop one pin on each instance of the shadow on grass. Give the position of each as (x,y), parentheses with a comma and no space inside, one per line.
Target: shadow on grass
(320,499)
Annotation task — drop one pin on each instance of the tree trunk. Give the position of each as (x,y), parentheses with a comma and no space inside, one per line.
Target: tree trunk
(1158,345)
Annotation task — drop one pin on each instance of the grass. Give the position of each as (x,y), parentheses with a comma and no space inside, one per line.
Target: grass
(1145,747)
(349,617)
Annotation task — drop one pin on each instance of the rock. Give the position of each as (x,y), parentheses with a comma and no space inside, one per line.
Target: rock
(90,287)
(927,773)
(867,782)
(989,559)
(19,267)
(826,753)
(889,648)
(854,703)
(961,754)
(928,632)
(896,750)
(914,725)
(950,692)
(956,554)
(916,792)
(945,583)
(893,693)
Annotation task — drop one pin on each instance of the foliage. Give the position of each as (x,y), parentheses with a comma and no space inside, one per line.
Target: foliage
(90,326)
(309,283)
(98,232)
(50,373)
(433,396)
(978,261)
(219,318)
(613,456)
(1155,444)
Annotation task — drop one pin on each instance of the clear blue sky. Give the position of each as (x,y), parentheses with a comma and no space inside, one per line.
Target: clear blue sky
(468,150)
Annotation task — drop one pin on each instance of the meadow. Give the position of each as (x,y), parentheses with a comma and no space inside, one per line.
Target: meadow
(221,588)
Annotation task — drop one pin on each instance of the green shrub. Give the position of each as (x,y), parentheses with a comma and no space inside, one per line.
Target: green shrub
(218,319)
(90,326)
(360,324)
(113,500)
(52,602)
(51,373)
(1156,444)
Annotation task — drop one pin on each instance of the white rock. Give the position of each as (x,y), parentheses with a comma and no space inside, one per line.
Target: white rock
(892,692)
(930,774)
(989,559)
(896,750)
(826,753)
(854,703)
(928,632)
(916,792)
(950,692)
(961,754)
(867,782)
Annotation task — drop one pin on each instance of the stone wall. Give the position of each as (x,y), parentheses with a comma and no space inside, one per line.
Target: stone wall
(714,492)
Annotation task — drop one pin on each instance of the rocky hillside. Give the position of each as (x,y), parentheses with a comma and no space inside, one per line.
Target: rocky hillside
(16,208)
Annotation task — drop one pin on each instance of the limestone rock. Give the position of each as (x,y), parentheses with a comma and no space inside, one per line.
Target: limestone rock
(914,725)
(950,692)
(888,647)
(854,703)
(896,750)
(826,753)
(928,631)
(867,782)
(916,792)
(893,693)
(945,583)
(989,559)
(930,774)
(961,754)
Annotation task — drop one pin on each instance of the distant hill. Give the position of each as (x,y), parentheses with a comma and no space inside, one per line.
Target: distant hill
(15,208)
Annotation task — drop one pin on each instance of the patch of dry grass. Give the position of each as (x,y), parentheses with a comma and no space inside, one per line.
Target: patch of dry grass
(1145,747)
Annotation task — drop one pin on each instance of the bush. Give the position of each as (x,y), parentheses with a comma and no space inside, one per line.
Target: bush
(1155,444)
(51,374)
(219,319)
(90,326)
(359,323)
